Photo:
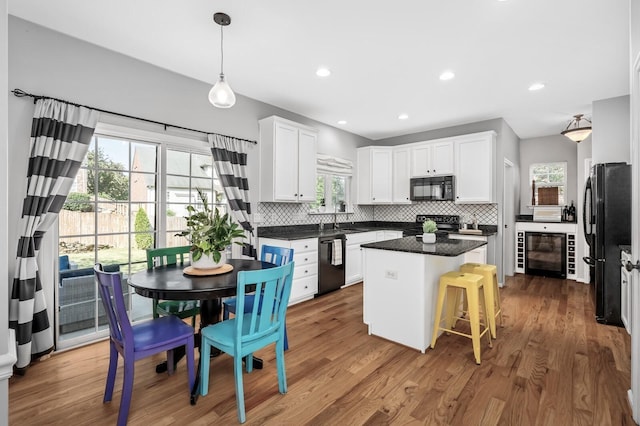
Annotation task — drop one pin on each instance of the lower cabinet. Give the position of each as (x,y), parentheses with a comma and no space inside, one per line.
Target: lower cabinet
(305,273)
(353,266)
(478,255)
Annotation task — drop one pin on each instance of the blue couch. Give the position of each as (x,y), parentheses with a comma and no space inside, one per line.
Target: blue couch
(77,297)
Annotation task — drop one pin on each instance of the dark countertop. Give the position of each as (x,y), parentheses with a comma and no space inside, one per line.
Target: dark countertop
(299,232)
(443,246)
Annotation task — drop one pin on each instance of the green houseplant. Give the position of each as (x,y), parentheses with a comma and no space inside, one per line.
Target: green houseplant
(429,228)
(209,234)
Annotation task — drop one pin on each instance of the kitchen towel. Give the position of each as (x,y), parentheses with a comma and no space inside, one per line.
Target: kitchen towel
(336,255)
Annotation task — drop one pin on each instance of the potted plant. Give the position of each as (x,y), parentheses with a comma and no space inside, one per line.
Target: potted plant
(429,228)
(209,234)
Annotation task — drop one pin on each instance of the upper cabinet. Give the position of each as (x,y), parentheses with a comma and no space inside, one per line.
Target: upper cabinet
(474,168)
(375,175)
(432,159)
(287,161)
(401,176)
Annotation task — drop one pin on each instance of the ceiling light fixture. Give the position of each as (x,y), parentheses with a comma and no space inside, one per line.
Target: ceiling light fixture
(447,75)
(342,122)
(536,86)
(403,117)
(577,133)
(323,72)
(221,95)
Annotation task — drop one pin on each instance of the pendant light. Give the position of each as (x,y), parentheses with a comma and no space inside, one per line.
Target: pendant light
(577,133)
(221,95)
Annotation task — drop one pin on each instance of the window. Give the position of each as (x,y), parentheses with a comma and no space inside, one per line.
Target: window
(129,195)
(552,176)
(331,194)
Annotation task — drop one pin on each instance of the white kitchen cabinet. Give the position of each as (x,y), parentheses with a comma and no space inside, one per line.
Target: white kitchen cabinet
(401,175)
(287,161)
(474,168)
(375,176)
(305,272)
(353,264)
(478,255)
(432,159)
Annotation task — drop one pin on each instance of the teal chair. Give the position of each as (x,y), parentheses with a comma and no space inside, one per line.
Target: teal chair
(244,334)
(180,308)
(272,254)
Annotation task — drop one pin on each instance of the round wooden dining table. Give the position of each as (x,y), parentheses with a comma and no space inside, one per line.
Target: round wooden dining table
(169,282)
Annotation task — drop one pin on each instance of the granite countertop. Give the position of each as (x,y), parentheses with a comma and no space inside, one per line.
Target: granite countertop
(299,232)
(444,246)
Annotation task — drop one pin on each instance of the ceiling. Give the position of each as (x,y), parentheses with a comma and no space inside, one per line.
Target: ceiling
(385,57)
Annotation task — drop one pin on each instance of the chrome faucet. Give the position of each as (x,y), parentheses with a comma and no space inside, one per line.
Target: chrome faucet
(335,218)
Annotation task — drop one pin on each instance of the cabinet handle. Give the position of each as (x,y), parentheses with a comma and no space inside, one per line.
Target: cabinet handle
(306,272)
(306,258)
(302,195)
(295,195)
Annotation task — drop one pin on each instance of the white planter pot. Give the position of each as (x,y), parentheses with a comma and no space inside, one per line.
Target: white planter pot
(206,262)
(429,238)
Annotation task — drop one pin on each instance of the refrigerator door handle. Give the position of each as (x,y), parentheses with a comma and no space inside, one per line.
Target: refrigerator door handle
(586,216)
(589,260)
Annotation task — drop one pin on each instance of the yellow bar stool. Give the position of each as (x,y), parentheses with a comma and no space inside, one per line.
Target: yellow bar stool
(491,291)
(450,285)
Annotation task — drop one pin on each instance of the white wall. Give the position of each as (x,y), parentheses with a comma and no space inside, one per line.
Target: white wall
(611,135)
(44,62)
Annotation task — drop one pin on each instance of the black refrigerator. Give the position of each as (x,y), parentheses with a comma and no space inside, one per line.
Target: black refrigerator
(607,224)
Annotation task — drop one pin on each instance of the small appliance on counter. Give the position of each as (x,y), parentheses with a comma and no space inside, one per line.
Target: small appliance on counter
(547,213)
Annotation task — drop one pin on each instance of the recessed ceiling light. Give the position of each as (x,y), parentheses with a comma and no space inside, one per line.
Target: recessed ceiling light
(536,86)
(447,75)
(323,72)
(342,122)
(403,116)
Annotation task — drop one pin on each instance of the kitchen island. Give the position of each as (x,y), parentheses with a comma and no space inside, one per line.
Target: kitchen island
(401,285)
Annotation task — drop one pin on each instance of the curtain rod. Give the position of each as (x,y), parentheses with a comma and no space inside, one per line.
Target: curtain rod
(21,94)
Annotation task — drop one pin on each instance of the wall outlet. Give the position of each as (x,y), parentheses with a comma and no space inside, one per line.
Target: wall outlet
(391,274)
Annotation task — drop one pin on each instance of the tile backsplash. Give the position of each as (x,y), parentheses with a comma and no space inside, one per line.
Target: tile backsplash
(274,214)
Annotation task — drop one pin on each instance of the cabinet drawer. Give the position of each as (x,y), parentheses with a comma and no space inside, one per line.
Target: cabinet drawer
(305,258)
(302,271)
(361,238)
(304,288)
(309,244)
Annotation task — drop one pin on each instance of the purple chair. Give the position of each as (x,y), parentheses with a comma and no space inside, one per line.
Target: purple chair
(138,341)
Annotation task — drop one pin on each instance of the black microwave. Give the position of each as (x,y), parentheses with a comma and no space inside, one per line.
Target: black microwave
(439,188)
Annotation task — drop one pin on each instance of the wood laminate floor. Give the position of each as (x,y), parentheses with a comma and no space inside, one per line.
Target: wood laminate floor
(552,364)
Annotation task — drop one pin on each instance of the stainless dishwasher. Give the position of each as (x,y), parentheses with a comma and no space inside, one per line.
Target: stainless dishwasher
(331,261)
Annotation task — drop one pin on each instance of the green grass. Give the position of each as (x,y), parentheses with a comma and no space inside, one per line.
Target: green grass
(109,256)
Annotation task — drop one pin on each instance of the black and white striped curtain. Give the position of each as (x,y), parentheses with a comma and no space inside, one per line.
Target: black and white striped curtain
(230,161)
(60,137)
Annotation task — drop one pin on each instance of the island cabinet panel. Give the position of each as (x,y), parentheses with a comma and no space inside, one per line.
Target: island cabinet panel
(400,292)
